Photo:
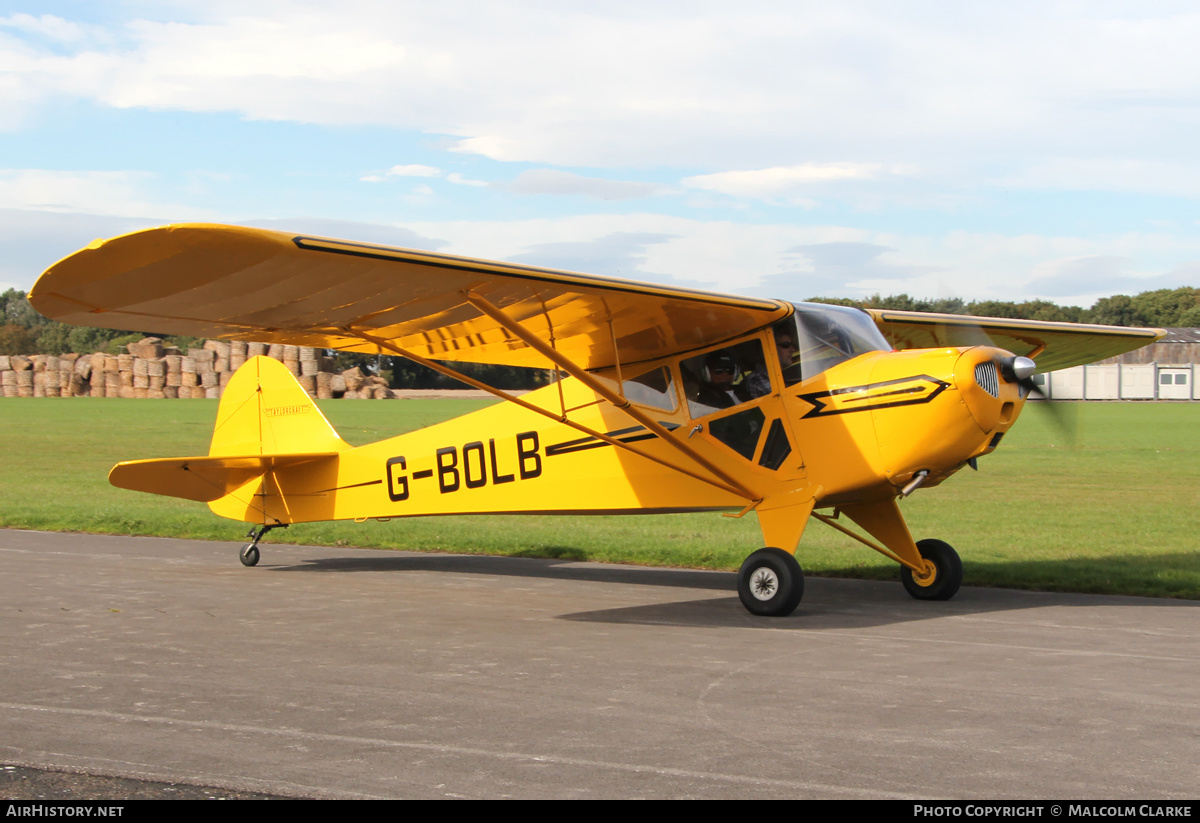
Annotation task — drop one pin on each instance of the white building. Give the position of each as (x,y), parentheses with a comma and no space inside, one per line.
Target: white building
(1166,370)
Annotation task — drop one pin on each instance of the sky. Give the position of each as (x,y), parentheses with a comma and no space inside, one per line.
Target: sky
(1024,150)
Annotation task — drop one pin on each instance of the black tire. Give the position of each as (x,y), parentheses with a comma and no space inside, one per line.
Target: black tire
(948,572)
(249,555)
(771,583)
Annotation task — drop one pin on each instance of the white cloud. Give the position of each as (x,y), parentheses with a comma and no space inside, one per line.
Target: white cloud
(798,85)
(458,179)
(47,25)
(413,170)
(797,262)
(553,181)
(788,181)
(121,193)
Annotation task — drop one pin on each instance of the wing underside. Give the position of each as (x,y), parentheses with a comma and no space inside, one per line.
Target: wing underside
(268,286)
(1052,345)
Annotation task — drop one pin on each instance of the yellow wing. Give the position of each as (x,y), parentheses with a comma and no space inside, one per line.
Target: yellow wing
(1052,345)
(268,286)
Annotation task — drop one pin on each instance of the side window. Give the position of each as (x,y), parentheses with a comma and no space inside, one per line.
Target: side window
(655,388)
(723,378)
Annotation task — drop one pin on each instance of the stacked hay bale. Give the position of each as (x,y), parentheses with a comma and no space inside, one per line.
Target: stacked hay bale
(150,369)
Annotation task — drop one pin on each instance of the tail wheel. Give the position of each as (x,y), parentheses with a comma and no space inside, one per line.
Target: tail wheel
(943,572)
(771,583)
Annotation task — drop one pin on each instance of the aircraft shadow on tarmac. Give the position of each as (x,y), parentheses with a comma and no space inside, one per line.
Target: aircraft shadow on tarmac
(829,603)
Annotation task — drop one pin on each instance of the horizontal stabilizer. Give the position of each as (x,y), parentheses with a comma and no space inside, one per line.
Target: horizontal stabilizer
(204,479)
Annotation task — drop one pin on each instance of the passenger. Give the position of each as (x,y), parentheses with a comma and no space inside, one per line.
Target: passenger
(720,391)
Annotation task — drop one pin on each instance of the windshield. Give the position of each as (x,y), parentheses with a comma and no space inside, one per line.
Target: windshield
(825,336)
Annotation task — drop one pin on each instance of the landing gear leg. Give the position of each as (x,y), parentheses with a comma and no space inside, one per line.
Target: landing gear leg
(771,583)
(249,553)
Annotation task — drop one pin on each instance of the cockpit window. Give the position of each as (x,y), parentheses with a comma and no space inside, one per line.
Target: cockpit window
(824,336)
(725,377)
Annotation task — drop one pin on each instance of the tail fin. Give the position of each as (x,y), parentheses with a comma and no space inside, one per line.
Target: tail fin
(266,421)
(264,411)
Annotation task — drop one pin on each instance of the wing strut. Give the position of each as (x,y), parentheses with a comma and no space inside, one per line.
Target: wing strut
(608,394)
(732,488)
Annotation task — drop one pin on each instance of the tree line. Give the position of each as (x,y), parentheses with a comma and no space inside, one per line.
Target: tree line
(24,331)
(1169,308)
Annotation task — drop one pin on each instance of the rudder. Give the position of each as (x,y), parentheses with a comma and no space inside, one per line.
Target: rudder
(265,411)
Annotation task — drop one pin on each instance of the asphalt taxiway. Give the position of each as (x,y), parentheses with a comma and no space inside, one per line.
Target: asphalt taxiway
(327,672)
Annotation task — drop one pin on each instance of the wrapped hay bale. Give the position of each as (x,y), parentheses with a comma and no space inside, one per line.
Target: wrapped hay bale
(220,349)
(148,348)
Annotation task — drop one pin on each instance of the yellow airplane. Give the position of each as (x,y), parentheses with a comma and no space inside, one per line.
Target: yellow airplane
(668,399)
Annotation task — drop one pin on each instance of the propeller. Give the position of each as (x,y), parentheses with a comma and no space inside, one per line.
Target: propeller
(1020,370)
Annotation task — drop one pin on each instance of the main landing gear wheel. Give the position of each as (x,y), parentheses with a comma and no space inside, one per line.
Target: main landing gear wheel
(944,572)
(771,583)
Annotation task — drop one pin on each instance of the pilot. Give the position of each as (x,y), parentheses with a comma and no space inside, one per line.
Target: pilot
(757,382)
(788,349)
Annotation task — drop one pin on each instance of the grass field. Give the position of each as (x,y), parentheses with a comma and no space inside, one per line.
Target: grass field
(1115,512)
